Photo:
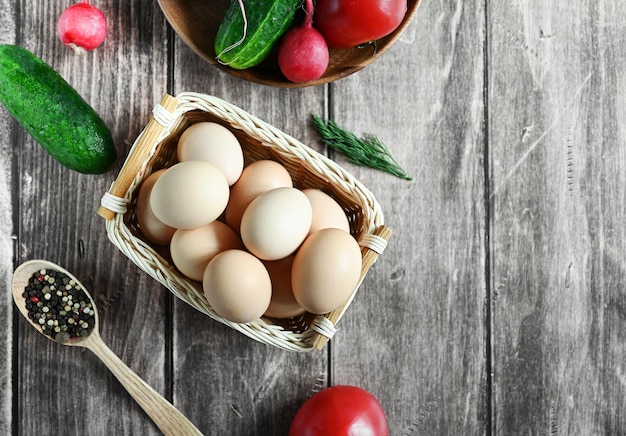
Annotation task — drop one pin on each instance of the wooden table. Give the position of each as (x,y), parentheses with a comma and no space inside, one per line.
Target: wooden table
(499,306)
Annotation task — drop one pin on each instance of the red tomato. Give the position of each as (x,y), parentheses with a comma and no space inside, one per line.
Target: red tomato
(340,411)
(348,23)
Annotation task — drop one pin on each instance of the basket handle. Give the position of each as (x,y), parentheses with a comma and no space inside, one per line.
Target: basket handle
(135,160)
(382,234)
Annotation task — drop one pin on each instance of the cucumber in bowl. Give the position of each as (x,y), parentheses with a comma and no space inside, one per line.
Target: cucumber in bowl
(245,41)
(53,112)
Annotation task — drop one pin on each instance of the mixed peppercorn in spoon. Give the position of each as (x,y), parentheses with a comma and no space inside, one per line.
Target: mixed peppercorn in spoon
(58,304)
(60,307)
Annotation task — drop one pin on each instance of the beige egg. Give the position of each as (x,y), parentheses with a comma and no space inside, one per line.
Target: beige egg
(327,213)
(275,223)
(153,229)
(326,270)
(192,249)
(189,194)
(213,143)
(237,286)
(283,304)
(256,178)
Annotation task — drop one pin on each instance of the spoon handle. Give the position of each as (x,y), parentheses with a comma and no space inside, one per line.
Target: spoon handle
(169,419)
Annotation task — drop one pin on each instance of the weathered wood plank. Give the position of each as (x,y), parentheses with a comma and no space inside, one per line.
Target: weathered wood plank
(230,383)
(415,336)
(57,221)
(8,130)
(523,209)
(558,201)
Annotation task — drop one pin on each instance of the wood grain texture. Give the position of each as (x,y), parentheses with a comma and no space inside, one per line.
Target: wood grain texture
(232,384)
(558,200)
(498,305)
(416,335)
(56,220)
(8,129)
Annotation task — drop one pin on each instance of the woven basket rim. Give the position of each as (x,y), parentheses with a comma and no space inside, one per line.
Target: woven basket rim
(148,259)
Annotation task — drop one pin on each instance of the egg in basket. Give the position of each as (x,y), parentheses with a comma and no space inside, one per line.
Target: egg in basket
(282,241)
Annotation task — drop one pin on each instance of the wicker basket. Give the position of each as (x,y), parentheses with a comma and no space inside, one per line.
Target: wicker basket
(155,148)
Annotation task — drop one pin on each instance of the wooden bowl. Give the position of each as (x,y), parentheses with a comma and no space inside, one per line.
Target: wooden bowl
(197,21)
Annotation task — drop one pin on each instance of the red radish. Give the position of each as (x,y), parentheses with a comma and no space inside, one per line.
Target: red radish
(303,53)
(82,27)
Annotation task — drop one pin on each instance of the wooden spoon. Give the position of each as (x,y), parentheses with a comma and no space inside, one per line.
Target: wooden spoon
(169,419)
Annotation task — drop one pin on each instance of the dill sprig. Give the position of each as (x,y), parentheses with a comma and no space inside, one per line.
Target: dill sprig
(366,151)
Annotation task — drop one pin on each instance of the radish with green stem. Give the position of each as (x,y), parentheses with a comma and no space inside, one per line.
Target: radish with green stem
(82,27)
(303,54)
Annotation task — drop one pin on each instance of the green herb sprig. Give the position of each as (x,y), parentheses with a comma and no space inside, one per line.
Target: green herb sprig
(366,151)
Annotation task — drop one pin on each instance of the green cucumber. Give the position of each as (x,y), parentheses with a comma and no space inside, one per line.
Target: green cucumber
(267,21)
(53,112)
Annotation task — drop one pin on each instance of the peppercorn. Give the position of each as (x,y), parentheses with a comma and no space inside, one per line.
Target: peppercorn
(62,315)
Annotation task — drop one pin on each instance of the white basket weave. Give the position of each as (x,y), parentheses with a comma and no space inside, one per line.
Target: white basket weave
(155,148)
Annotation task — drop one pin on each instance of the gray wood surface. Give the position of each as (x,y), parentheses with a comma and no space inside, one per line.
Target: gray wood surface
(498,306)
(557,170)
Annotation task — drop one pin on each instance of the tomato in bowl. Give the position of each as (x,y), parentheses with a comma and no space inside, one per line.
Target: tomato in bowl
(197,22)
